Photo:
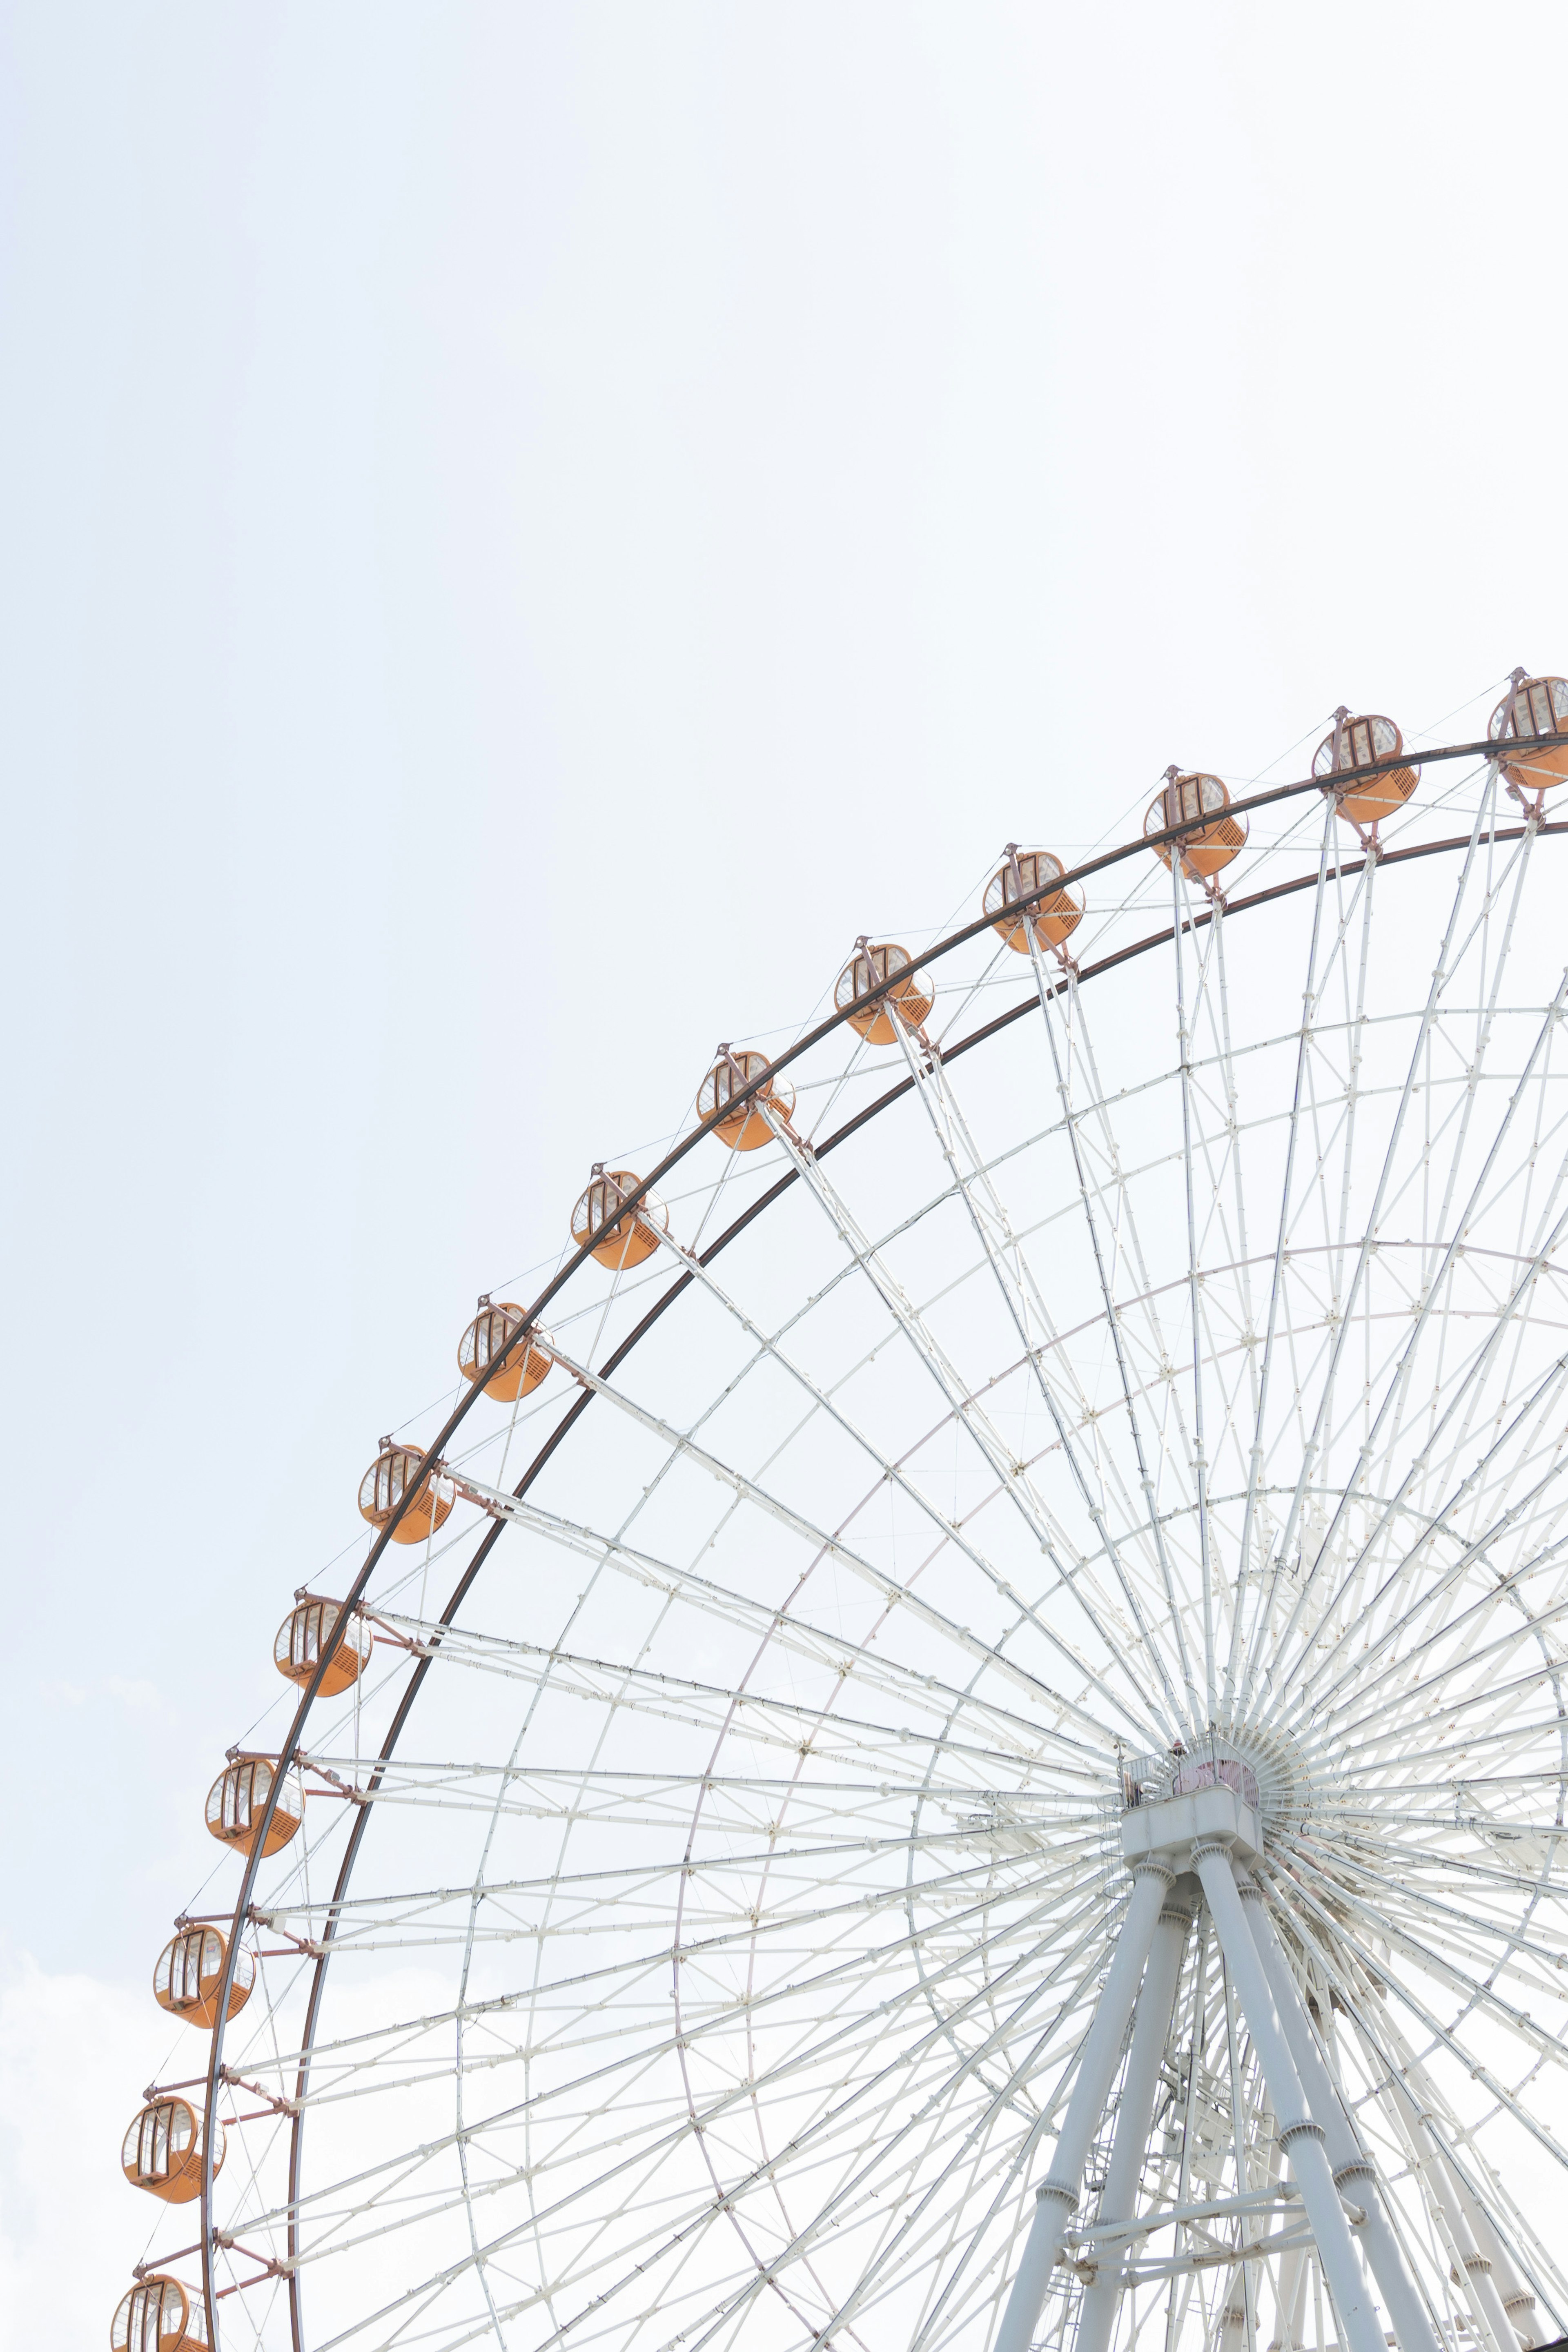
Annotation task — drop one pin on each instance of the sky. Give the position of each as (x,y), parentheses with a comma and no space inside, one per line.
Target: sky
(528,529)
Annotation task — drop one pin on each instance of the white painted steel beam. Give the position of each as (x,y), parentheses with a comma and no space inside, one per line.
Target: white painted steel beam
(1490,2275)
(1299,2134)
(1135,2109)
(1352,2168)
(1026,1304)
(1055,2200)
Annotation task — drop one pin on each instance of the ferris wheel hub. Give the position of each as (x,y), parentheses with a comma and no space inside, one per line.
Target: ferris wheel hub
(1205,1809)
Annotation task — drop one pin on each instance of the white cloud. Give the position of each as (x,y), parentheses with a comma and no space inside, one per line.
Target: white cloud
(74,2053)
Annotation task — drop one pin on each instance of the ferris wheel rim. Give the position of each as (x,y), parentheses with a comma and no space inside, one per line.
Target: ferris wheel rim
(1028,1004)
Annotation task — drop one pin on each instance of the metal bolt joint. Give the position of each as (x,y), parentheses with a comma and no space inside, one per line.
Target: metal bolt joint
(1304,2129)
(1361,2170)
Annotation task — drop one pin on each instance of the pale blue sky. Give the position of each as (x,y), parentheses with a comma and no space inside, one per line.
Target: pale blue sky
(526,530)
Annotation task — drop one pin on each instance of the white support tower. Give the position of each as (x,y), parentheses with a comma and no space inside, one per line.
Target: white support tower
(1202,1832)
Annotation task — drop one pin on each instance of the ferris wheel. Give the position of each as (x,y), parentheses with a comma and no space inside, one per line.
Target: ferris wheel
(961,1739)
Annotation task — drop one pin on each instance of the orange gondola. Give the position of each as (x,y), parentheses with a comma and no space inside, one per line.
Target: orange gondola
(627,1240)
(159,2315)
(866,969)
(494,1327)
(1531,722)
(305,1633)
(189,1974)
(396,1470)
(1202,802)
(162,2151)
(745,1126)
(1052,918)
(238,1799)
(1357,743)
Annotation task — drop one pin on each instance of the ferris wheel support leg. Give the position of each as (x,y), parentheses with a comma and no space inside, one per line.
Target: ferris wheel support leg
(1057,2197)
(1465,2224)
(1504,2306)
(1518,2303)
(1352,2166)
(1299,2135)
(1135,2108)
(1292,2301)
(1233,2327)
(1514,2302)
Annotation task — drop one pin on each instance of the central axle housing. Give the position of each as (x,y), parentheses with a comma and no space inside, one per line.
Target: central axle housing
(1207,1807)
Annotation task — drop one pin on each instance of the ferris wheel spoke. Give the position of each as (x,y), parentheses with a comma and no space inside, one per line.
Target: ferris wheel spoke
(1479,1363)
(1442,974)
(1472,1990)
(1026,1310)
(645,1904)
(672,2242)
(1443,2240)
(813,1999)
(1408,1896)
(1096,1212)
(1447,1865)
(668,1794)
(1034,2059)
(1518,1659)
(1010,1739)
(1483,1356)
(994,1835)
(1181,919)
(610,2076)
(992,1950)
(1002,2096)
(951,1535)
(880,2206)
(1174,1436)
(1462,1110)
(1432,1833)
(1316,982)
(1399,1616)
(1467,1782)
(1413,2107)
(922,2243)
(1548,1833)
(951,1531)
(1092,1200)
(611,1797)
(1367,1726)
(1410,2107)
(1516,858)
(1454,1950)
(783,1625)
(1436,1687)
(968,1413)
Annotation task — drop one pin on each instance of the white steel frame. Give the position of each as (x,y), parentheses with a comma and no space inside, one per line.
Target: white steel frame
(1179,1382)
